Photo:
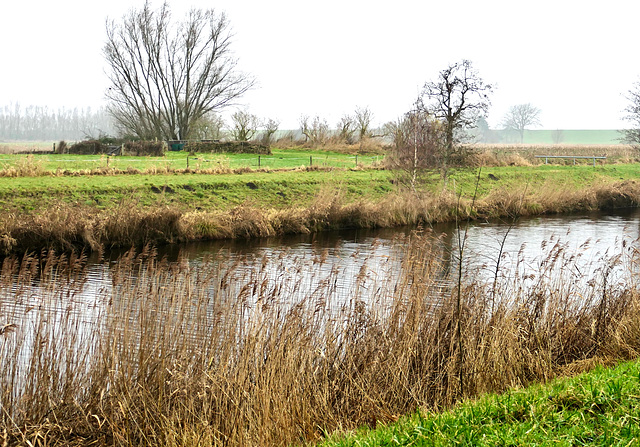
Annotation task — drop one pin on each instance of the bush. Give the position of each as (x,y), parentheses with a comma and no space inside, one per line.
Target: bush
(62,147)
(141,148)
(234,147)
(88,147)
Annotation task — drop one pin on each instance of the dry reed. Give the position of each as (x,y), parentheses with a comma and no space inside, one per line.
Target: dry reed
(184,354)
(65,227)
(525,154)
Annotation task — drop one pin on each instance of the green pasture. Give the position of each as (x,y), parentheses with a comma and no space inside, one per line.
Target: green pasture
(194,191)
(281,189)
(601,407)
(290,158)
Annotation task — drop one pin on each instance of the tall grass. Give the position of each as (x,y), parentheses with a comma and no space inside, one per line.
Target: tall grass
(525,154)
(65,227)
(206,354)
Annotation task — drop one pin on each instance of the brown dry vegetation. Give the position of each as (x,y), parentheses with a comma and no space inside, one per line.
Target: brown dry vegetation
(184,355)
(130,225)
(525,154)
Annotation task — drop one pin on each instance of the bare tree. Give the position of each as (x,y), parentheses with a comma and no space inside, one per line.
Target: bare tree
(456,98)
(346,128)
(270,128)
(244,125)
(207,127)
(632,135)
(316,131)
(557,136)
(363,117)
(165,75)
(417,144)
(521,116)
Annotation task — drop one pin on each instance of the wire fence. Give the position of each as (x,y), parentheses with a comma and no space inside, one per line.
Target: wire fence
(257,161)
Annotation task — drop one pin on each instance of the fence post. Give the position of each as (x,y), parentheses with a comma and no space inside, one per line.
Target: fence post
(108,157)
(258,161)
(310,160)
(187,162)
(356,160)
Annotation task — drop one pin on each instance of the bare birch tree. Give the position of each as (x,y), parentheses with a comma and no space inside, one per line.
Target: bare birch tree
(417,145)
(166,75)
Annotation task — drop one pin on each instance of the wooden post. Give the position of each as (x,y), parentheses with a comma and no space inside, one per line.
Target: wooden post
(258,161)
(310,160)
(187,162)
(356,160)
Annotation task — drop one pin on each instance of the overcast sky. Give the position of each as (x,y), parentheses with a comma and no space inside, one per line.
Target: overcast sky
(574,60)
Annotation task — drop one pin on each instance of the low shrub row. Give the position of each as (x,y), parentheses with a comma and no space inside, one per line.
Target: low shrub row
(158,148)
(234,147)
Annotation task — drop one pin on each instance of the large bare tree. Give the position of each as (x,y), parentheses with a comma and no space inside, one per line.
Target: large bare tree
(521,116)
(166,75)
(456,98)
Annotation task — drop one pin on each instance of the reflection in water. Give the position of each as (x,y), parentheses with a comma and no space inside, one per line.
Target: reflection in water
(351,263)
(222,318)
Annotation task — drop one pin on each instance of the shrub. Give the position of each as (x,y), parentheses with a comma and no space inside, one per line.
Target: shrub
(234,147)
(62,147)
(88,147)
(142,148)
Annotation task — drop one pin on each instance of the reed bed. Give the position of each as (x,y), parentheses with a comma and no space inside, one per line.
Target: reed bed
(65,227)
(525,154)
(180,354)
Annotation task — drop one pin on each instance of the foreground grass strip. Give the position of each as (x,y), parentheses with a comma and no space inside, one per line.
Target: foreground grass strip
(601,407)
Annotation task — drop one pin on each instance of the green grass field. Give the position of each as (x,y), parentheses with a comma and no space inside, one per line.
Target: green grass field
(281,189)
(601,407)
(280,159)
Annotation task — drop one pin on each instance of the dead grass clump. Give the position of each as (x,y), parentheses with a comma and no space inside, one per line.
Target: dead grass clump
(25,166)
(615,153)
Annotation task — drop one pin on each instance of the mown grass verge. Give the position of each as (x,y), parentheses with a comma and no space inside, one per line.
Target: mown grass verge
(600,407)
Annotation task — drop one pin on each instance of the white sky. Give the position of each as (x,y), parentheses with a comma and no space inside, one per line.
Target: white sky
(575,60)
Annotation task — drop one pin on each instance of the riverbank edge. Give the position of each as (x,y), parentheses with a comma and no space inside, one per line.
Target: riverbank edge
(68,227)
(596,406)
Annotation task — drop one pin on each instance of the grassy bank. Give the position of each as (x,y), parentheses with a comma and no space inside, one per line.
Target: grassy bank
(98,211)
(216,354)
(55,164)
(595,408)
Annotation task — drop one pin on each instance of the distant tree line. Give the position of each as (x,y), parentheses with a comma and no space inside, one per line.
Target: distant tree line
(43,123)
